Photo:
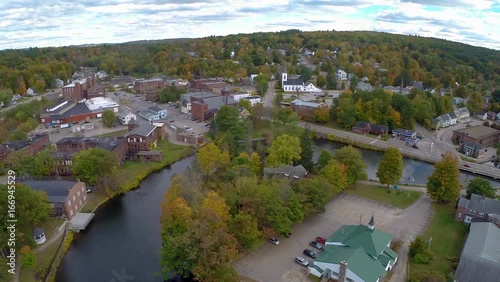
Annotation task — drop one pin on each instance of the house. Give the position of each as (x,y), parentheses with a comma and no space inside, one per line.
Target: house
(453,118)
(355,253)
(124,117)
(66,197)
(478,134)
(341,75)
(305,110)
(254,100)
(480,259)
(481,115)
(362,127)
(472,150)
(144,86)
(58,83)
(244,113)
(289,171)
(498,116)
(206,108)
(30,92)
(491,115)
(296,84)
(363,86)
(38,235)
(29,147)
(150,156)
(462,114)
(153,113)
(101,74)
(444,120)
(141,137)
(478,208)
(458,100)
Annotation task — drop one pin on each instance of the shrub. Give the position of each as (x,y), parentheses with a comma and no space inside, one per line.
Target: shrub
(396,245)
(419,252)
(427,277)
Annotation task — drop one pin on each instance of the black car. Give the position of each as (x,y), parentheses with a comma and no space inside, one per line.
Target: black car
(316,245)
(310,253)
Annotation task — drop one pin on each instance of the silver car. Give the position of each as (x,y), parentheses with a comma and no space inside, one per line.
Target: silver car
(302,261)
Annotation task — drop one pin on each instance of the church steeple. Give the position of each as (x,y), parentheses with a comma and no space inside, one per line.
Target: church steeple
(284,75)
(371,224)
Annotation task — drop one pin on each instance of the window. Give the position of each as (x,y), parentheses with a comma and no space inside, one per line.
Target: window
(74,198)
(474,212)
(459,215)
(83,189)
(69,203)
(78,193)
(84,197)
(481,214)
(80,203)
(71,213)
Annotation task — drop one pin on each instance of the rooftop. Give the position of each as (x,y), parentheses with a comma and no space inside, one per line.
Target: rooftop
(144,129)
(59,107)
(18,145)
(478,131)
(106,143)
(482,204)
(56,190)
(100,103)
(302,103)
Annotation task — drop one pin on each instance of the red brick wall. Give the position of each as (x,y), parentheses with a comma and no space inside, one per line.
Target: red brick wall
(120,151)
(461,211)
(198,111)
(145,145)
(79,192)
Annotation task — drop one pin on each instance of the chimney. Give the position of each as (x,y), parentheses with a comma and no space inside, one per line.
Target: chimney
(342,271)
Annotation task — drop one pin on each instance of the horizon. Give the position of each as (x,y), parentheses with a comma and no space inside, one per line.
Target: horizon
(57,23)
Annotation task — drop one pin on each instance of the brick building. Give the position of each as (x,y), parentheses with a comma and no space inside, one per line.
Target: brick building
(480,134)
(207,84)
(78,89)
(115,145)
(67,112)
(96,91)
(141,137)
(30,147)
(149,85)
(66,197)
(205,108)
(478,208)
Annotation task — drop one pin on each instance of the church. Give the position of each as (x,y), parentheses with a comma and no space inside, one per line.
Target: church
(296,84)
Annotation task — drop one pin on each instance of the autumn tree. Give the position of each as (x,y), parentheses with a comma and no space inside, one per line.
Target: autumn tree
(92,164)
(108,118)
(28,257)
(285,149)
(246,229)
(322,114)
(336,174)
(480,186)
(351,158)
(211,158)
(287,115)
(390,168)
(443,184)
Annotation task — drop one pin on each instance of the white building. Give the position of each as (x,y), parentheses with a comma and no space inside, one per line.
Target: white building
(125,118)
(101,103)
(238,96)
(341,75)
(30,92)
(296,84)
(254,100)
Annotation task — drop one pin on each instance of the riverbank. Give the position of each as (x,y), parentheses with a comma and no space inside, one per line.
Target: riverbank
(130,176)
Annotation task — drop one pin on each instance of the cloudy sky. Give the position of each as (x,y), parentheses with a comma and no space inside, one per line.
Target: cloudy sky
(41,23)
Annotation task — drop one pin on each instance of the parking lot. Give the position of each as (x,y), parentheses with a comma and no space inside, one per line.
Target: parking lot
(276,262)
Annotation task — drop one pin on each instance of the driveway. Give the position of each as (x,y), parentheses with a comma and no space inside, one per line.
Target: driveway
(269,97)
(275,263)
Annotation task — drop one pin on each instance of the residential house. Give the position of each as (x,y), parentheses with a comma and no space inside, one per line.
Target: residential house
(498,116)
(462,114)
(341,75)
(479,134)
(453,118)
(358,253)
(362,127)
(289,171)
(491,115)
(125,118)
(305,110)
(458,100)
(30,92)
(418,85)
(481,115)
(478,208)
(480,259)
(144,86)
(244,113)
(101,74)
(29,147)
(445,120)
(206,108)
(66,197)
(143,137)
(58,83)
(153,113)
(363,86)
(472,150)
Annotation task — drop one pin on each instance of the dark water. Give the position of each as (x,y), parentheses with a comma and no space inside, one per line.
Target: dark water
(123,240)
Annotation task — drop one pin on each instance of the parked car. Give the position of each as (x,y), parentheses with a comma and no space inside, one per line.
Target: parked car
(466,165)
(316,245)
(302,261)
(310,253)
(321,240)
(274,241)
(414,146)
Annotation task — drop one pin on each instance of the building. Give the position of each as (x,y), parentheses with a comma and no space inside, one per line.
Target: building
(355,253)
(481,115)
(478,208)
(289,171)
(473,150)
(38,235)
(78,89)
(296,84)
(254,100)
(58,83)
(341,75)
(144,86)
(188,98)
(305,110)
(403,134)
(47,115)
(124,118)
(491,115)
(205,108)
(207,84)
(153,113)
(480,259)
(30,147)
(96,91)
(363,86)
(66,197)
(72,145)
(143,137)
(67,112)
(462,114)
(458,100)
(150,156)
(479,134)
(30,92)
(189,137)
(362,127)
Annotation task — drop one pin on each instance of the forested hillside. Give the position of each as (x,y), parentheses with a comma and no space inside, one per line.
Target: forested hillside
(383,58)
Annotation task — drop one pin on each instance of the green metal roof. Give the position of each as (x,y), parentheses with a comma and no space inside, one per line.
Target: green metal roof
(374,242)
(391,253)
(317,268)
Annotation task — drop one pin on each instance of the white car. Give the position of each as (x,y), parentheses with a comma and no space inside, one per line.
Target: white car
(302,261)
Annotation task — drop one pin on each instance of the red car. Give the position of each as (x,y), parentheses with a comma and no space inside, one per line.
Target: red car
(321,240)
(466,165)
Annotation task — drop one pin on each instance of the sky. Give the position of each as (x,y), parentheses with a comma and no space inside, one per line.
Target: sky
(43,23)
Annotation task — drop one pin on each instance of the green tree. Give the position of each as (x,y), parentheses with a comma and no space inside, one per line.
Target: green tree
(42,164)
(390,168)
(278,98)
(211,158)
(312,194)
(323,159)
(321,114)
(227,117)
(243,103)
(6,95)
(321,81)
(345,110)
(245,229)
(351,158)
(336,174)
(443,184)
(480,187)
(108,118)
(331,81)
(28,257)
(307,146)
(419,253)
(285,149)
(261,83)
(287,115)
(92,164)
(256,163)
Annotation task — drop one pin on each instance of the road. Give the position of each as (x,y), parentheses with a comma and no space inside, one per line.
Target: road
(269,97)
(29,99)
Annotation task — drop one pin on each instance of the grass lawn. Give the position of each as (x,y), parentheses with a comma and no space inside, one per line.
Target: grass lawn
(115,133)
(333,124)
(43,259)
(448,238)
(94,200)
(379,193)
(50,225)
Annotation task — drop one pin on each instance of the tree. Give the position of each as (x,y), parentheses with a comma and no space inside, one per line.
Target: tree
(390,168)
(323,159)
(278,98)
(336,174)
(331,81)
(312,194)
(256,163)
(6,95)
(419,252)
(345,110)
(245,104)
(92,164)
(321,81)
(227,117)
(28,257)
(211,158)
(443,184)
(108,118)
(42,164)
(287,115)
(245,229)
(322,114)
(285,149)
(261,83)
(307,146)
(351,157)
(480,187)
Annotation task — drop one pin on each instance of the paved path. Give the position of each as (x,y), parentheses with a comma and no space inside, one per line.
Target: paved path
(422,189)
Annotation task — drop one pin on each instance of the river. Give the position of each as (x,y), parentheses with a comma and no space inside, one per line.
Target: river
(123,239)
